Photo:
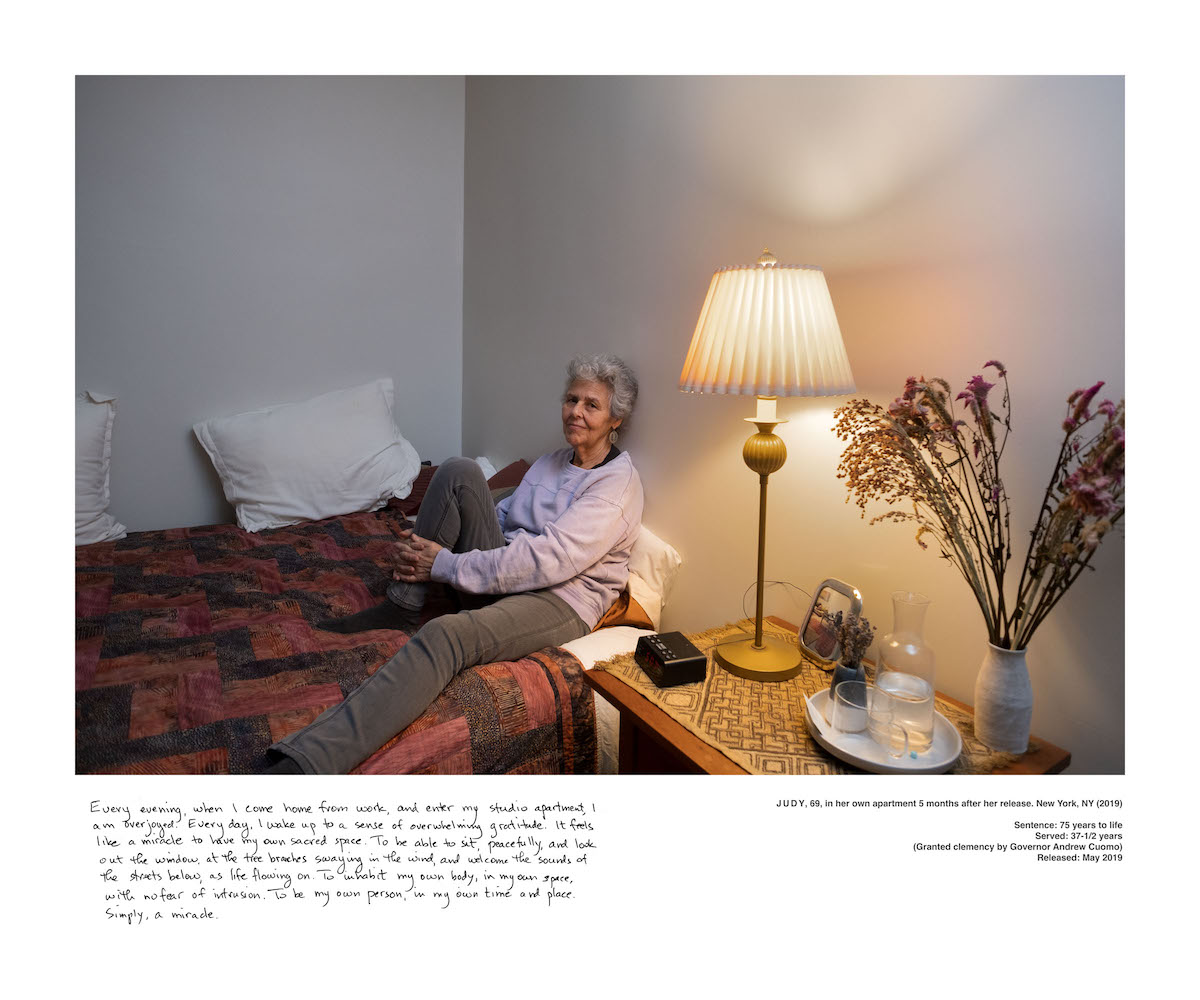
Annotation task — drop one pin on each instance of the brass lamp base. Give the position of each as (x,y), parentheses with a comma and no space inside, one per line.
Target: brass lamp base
(761,658)
(775,660)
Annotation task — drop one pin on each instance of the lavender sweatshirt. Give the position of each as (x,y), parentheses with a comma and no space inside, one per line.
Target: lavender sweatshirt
(569,530)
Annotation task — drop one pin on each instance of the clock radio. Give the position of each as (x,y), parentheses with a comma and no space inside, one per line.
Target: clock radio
(669,659)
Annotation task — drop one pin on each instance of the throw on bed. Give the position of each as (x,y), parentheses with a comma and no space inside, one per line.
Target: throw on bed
(195,651)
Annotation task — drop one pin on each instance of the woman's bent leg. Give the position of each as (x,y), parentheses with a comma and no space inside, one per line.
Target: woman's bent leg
(400,690)
(456,512)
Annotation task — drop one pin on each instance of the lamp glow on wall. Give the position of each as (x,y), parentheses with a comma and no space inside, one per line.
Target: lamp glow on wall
(766,330)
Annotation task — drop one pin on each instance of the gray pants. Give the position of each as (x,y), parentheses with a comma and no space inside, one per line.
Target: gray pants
(457,512)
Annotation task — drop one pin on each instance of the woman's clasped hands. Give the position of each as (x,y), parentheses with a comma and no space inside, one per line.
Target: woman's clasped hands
(414,557)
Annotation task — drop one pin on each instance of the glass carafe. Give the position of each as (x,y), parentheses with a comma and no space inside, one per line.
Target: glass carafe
(905,668)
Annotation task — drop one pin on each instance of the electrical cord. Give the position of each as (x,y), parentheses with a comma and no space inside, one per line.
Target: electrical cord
(767,584)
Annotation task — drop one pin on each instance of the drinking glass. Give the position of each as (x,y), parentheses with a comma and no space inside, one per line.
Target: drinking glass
(849,712)
(882,724)
(863,710)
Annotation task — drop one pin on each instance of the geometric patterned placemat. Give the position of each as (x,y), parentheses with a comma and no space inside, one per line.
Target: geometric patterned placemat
(761,725)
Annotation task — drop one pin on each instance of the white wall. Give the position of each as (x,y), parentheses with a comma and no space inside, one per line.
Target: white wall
(249,241)
(957,220)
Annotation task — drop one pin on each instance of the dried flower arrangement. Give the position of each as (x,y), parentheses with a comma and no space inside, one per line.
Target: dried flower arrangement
(855,635)
(917,452)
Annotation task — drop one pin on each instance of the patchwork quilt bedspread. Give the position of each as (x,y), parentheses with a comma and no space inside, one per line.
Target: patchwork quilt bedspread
(195,651)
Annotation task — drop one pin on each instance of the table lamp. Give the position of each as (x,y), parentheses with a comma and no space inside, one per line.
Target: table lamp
(766,330)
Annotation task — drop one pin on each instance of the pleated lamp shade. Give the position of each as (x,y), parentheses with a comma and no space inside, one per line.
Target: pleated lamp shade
(768,330)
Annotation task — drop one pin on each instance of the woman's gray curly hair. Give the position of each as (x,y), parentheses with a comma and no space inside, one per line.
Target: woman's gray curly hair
(611,371)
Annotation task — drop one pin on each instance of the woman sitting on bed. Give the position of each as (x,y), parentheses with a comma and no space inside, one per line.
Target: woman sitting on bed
(546,564)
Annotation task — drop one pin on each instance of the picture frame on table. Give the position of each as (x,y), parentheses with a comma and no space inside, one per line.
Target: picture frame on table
(817,638)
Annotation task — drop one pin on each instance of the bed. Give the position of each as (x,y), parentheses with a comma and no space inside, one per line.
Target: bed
(195,651)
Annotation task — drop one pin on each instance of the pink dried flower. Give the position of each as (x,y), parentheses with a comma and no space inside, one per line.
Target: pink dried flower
(907,405)
(976,391)
(1090,496)
(1082,397)
(975,395)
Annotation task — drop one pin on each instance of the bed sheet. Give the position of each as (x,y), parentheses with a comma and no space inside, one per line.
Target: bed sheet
(196,650)
(590,650)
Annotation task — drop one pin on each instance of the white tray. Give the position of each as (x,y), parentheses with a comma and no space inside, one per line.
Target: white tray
(862,751)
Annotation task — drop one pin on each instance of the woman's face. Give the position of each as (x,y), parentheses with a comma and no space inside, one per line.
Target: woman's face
(587,419)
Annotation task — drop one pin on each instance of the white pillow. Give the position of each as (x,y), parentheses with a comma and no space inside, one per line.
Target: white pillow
(94,415)
(339,453)
(653,566)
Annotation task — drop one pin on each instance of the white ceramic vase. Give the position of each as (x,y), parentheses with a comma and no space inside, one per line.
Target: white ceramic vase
(1003,700)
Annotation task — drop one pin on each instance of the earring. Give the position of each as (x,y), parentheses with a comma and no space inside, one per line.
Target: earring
(612,436)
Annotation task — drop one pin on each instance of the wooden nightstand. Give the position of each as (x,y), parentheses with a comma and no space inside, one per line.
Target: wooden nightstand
(652,742)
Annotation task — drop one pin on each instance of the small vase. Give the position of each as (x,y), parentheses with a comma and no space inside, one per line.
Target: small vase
(1003,700)
(847,672)
(843,672)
